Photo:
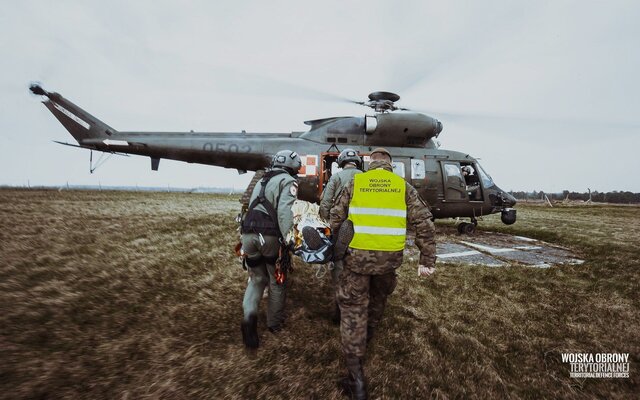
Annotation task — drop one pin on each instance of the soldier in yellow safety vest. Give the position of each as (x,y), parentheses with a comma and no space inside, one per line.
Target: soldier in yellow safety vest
(351,165)
(379,203)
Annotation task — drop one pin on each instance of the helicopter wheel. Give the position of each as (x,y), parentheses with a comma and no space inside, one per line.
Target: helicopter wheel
(469,229)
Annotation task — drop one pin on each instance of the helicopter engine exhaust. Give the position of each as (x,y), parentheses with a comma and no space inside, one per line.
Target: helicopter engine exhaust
(370,124)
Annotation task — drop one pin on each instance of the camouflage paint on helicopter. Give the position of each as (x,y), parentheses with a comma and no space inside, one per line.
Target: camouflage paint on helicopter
(453,183)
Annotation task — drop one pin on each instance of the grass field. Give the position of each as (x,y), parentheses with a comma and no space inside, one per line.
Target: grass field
(138,295)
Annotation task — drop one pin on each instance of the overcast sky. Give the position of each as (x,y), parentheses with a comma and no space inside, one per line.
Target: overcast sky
(545,93)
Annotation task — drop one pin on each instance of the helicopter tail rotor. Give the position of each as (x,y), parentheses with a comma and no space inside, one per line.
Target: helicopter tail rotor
(84,127)
(37,90)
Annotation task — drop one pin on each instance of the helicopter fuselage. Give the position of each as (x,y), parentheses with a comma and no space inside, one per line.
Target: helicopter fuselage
(438,175)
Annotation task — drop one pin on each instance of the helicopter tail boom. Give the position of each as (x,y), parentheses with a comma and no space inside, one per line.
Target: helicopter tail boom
(80,124)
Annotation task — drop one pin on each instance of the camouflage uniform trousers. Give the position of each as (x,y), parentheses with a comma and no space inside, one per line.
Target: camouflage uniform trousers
(262,275)
(336,270)
(363,296)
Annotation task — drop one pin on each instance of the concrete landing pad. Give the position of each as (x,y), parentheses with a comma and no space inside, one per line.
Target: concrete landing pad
(497,249)
(459,253)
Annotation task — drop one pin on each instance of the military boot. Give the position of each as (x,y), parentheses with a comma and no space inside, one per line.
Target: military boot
(354,385)
(249,329)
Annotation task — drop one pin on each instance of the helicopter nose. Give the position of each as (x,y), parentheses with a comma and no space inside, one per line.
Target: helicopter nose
(509,200)
(502,199)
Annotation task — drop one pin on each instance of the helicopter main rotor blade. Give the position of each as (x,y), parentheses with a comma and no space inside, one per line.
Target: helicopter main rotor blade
(293,90)
(241,81)
(320,95)
(542,125)
(436,54)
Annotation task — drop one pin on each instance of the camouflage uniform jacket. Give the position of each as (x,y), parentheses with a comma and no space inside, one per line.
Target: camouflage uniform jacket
(334,187)
(381,262)
(281,191)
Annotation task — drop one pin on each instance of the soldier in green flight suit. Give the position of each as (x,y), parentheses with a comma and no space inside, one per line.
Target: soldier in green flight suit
(351,165)
(265,226)
(380,204)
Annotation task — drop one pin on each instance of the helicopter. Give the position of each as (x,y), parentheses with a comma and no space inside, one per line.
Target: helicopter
(453,183)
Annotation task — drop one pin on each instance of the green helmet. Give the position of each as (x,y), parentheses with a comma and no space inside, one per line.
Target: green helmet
(287,159)
(382,150)
(349,155)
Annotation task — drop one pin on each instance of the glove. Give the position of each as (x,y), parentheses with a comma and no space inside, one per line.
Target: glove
(426,271)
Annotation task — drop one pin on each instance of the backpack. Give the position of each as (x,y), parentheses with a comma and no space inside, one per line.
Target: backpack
(256,221)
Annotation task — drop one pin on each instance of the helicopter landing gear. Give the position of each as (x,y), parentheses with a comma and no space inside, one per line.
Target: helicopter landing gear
(468,228)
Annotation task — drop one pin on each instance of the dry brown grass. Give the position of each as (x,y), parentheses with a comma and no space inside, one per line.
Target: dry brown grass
(138,295)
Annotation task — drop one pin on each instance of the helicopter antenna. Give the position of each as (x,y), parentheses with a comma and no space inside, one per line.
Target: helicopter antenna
(93,166)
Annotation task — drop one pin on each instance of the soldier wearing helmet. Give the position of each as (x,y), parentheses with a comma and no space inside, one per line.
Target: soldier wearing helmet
(267,222)
(380,205)
(351,164)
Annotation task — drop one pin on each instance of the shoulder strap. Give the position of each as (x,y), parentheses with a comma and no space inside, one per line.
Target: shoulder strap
(262,199)
(263,182)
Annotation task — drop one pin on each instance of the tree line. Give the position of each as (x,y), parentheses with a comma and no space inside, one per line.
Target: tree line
(600,197)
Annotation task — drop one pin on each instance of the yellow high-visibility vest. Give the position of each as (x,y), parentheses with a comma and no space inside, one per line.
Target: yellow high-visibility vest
(378,211)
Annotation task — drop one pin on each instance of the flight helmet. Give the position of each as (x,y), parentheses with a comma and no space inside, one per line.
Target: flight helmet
(349,155)
(287,159)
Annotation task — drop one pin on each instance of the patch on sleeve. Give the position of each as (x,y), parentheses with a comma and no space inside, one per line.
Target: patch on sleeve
(294,189)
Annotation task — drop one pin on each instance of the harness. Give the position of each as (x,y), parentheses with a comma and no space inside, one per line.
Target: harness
(267,224)
(256,221)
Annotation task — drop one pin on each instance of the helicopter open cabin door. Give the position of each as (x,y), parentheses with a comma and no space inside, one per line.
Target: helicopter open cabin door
(328,166)
(455,188)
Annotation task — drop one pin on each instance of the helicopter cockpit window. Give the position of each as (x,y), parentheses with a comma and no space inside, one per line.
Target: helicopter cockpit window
(454,182)
(452,170)
(486,179)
